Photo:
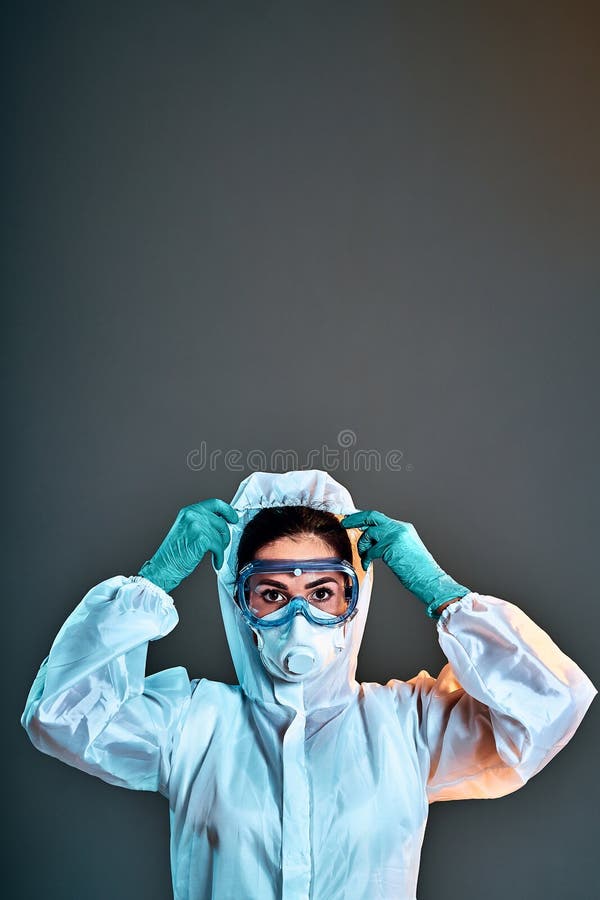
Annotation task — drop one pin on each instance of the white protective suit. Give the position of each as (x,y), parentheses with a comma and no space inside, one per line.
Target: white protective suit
(301,790)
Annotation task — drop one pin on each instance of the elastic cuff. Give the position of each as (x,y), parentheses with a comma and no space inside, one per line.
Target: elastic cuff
(433,606)
(431,609)
(149,585)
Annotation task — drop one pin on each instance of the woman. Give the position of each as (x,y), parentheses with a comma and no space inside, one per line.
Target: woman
(299,782)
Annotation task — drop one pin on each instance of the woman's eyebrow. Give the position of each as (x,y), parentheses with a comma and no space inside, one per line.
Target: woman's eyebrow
(272,581)
(320,581)
(286,587)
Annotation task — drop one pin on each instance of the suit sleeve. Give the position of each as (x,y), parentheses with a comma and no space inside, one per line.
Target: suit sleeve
(91,705)
(505,704)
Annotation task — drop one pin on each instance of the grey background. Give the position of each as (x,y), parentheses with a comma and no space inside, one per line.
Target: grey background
(258,225)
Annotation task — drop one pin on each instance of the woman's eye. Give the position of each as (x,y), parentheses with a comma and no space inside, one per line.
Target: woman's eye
(324,594)
(273,596)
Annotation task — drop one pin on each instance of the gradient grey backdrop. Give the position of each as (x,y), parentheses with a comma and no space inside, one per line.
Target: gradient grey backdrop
(258,224)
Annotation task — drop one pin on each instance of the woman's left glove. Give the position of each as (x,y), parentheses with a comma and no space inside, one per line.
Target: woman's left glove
(401,548)
(197,529)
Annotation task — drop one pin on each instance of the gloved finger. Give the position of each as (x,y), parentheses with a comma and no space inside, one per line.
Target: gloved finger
(214,538)
(363,519)
(218,557)
(370,536)
(363,543)
(365,562)
(374,552)
(223,509)
(367,539)
(220,525)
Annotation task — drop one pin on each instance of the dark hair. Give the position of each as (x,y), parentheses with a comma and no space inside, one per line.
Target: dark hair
(292,521)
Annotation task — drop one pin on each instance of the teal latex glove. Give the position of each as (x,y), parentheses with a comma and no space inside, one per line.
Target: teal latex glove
(197,529)
(401,548)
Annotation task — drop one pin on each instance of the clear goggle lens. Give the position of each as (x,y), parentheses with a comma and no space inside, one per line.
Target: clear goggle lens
(326,588)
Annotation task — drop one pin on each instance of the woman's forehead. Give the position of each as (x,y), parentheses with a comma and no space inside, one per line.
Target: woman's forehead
(299,547)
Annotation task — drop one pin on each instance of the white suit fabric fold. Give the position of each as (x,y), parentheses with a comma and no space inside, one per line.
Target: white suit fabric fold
(290,791)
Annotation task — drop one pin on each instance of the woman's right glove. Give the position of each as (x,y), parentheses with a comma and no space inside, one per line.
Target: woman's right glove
(197,528)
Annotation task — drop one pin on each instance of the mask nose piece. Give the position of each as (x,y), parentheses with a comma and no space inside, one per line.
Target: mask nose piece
(300,660)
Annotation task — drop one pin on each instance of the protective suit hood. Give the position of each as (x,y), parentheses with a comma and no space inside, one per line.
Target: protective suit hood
(336,685)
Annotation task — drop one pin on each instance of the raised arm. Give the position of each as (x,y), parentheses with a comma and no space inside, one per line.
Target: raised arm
(508,700)
(91,705)
(505,704)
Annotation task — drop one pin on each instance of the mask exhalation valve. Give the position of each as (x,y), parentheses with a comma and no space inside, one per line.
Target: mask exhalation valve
(300,660)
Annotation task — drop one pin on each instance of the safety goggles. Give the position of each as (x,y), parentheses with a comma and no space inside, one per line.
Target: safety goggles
(271,591)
